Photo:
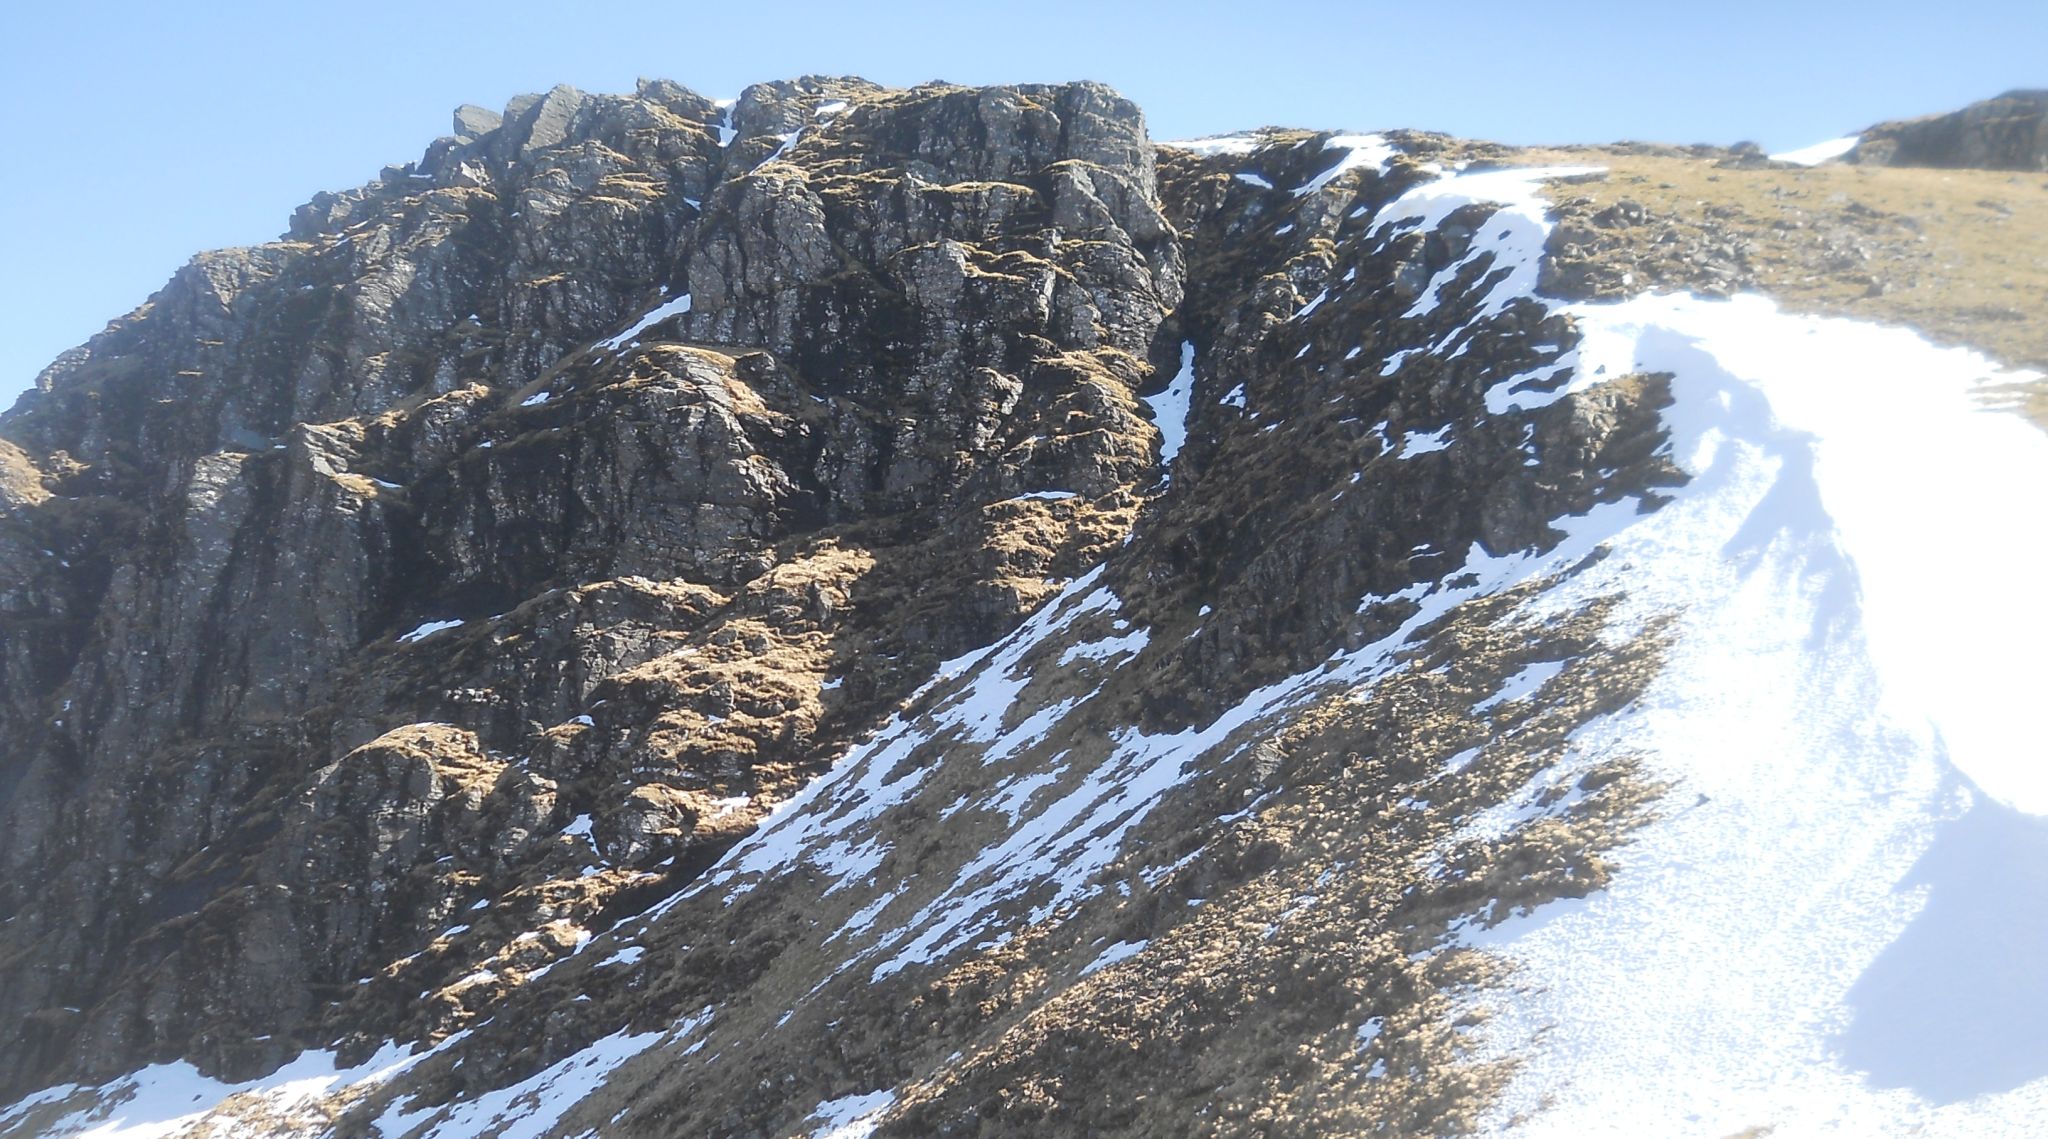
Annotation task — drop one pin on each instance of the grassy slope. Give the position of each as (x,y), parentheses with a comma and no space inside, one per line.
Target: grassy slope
(1961,255)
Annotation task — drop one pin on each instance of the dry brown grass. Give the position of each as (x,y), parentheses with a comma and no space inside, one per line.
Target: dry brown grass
(21,483)
(1961,255)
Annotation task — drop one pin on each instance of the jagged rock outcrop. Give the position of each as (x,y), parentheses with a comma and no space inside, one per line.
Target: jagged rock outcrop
(892,313)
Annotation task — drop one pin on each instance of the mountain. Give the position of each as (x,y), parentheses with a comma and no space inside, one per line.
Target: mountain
(865,612)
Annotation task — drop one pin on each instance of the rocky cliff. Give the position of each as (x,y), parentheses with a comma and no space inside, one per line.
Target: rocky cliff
(2009,132)
(860,611)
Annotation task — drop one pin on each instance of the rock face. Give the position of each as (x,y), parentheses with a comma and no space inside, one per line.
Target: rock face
(434,402)
(2009,132)
(854,612)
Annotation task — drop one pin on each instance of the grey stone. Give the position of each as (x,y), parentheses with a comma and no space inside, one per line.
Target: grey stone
(472,121)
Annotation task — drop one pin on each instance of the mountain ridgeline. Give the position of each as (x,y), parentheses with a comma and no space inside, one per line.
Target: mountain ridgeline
(865,612)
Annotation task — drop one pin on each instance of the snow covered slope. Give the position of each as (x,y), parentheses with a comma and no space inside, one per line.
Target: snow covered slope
(1837,927)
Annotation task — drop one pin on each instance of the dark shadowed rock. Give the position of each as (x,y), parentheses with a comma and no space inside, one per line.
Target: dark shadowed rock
(2009,132)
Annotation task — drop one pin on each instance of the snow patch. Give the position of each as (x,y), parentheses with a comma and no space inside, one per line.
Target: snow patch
(165,1100)
(1513,237)
(1219,144)
(625,956)
(1360,150)
(675,307)
(1819,152)
(1170,408)
(851,1117)
(427,629)
(532,1107)
(1122,950)
(1422,443)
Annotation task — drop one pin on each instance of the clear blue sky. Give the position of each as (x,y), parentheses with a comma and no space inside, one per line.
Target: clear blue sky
(139,133)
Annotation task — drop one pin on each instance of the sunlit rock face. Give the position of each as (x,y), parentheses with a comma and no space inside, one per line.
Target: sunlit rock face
(852,612)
